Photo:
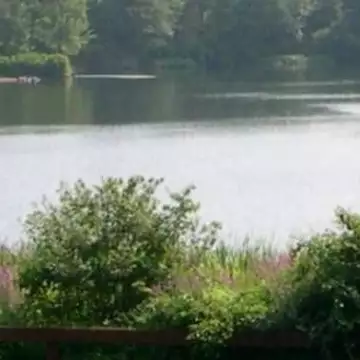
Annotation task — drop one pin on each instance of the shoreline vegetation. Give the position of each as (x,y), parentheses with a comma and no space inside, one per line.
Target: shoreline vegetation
(47,66)
(215,36)
(59,66)
(113,255)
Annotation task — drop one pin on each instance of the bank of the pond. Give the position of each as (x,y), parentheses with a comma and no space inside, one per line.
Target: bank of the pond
(285,64)
(45,66)
(59,66)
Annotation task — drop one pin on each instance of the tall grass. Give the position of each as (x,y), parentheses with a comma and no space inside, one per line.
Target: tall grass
(11,258)
(234,268)
(238,269)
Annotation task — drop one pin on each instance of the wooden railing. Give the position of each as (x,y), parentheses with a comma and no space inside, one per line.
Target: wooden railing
(53,337)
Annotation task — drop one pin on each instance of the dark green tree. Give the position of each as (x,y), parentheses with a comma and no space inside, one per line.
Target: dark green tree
(44,26)
(131,30)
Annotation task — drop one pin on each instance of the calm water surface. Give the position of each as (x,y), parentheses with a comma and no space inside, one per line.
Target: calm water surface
(268,159)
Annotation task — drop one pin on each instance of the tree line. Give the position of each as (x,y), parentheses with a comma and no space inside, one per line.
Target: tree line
(214,34)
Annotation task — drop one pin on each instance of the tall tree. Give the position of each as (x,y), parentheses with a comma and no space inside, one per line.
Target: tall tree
(36,25)
(237,32)
(60,26)
(132,28)
(14,27)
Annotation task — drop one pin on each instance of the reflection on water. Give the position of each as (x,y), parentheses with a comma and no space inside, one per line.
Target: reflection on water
(276,96)
(115,76)
(266,168)
(309,84)
(352,108)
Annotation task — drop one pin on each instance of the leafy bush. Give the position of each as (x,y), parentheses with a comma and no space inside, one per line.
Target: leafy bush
(212,315)
(325,301)
(55,66)
(99,251)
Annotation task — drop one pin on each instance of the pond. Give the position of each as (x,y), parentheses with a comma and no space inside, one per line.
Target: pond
(268,159)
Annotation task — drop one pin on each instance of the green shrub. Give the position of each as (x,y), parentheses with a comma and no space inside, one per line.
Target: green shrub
(325,301)
(54,66)
(99,251)
(212,315)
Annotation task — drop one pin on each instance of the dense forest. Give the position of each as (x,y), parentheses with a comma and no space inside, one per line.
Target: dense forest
(213,34)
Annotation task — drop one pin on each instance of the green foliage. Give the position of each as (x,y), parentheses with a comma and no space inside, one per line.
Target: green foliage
(51,26)
(114,255)
(235,37)
(220,34)
(60,26)
(130,30)
(212,315)
(97,254)
(325,300)
(224,35)
(55,66)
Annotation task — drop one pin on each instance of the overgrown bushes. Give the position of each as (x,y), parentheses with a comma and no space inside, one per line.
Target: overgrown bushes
(113,255)
(54,66)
